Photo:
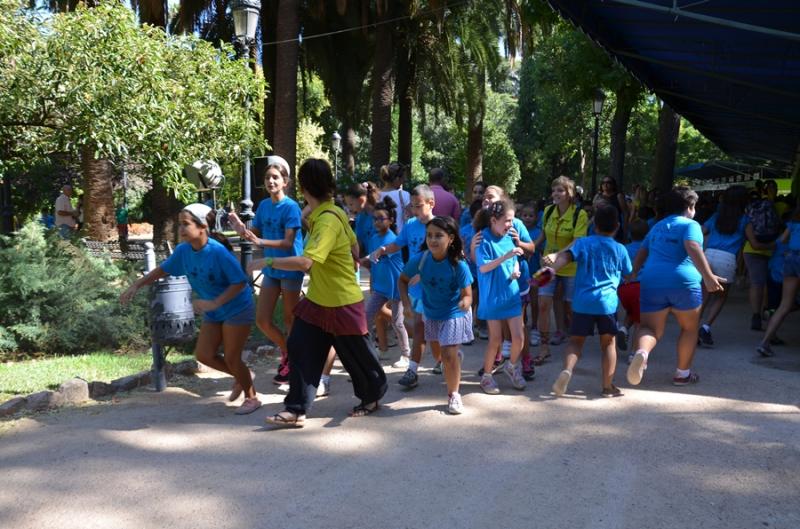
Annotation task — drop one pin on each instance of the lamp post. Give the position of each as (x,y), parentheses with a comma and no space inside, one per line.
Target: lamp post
(597,109)
(336,144)
(245,22)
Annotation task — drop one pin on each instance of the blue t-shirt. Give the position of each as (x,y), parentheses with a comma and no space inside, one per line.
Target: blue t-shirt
(210,271)
(524,280)
(441,283)
(524,235)
(727,242)
(602,262)
(413,235)
(386,271)
(364,228)
(535,259)
(794,236)
(668,264)
(499,293)
(467,232)
(272,220)
(466,218)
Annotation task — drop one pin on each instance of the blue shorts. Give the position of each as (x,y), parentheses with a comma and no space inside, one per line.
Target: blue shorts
(584,324)
(245,317)
(791,264)
(290,285)
(549,289)
(656,299)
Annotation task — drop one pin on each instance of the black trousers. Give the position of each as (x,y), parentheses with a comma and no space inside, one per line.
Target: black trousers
(308,347)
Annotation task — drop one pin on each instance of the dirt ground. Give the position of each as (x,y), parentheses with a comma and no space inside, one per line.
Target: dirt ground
(720,454)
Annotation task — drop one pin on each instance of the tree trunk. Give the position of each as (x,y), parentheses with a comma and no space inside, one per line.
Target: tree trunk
(98,200)
(382,96)
(285,89)
(269,23)
(349,149)
(406,72)
(627,96)
(669,125)
(165,208)
(474,171)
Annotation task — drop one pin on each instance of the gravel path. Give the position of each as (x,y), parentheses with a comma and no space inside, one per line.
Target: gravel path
(720,454)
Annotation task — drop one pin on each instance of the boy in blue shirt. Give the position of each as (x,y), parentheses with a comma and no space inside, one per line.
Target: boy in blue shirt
(601,264)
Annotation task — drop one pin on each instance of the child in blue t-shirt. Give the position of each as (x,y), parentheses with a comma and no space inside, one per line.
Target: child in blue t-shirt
(467,232)
(385,273)
(223,297)
(360,200)
(413,237)
(498,267)
(601,264)
(446,298)
(277,229)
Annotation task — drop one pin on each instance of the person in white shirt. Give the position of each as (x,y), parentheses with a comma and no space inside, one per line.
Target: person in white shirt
(66,215)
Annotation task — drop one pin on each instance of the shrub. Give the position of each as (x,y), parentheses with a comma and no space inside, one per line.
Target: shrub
(58,300)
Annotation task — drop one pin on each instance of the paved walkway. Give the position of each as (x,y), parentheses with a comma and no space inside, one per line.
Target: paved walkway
(721,454)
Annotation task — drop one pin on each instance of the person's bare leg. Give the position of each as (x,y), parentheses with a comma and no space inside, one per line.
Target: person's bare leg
(208,342)
(790,286)
(651,328)
(715,303)
(558,308)
(756,296)
(515,329)
(452,367)
(380,330)
(495,340)
(608,362)
(265,315)
(418,347)
(545,306)
(573,352)
(326,370)
(689,322)
(233,339)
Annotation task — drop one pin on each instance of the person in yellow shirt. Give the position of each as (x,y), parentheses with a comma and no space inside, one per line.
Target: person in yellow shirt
(332,313)
(563,222)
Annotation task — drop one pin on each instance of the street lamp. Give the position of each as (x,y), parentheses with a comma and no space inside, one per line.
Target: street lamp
(597,109)
(336,144)
(245,22)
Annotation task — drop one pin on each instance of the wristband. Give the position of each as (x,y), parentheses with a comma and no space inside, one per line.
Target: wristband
(268,262)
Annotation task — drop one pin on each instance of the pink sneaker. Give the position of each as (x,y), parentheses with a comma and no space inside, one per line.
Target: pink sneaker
(248,406)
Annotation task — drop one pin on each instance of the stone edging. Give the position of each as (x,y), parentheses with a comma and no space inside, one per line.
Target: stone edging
(76,390)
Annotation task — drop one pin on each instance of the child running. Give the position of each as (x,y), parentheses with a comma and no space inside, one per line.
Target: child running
(496,259)
(601,263)
(222,297)
(413,236)
(276,229)
(385,273)
(446,298)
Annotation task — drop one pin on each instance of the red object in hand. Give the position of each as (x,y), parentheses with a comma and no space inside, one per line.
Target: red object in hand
(543,276)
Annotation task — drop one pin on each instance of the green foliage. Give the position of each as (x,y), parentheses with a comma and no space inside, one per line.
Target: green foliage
(310,138)
(57,300)
(95,77)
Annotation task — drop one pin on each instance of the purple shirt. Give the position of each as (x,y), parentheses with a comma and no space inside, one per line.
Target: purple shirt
(446,203)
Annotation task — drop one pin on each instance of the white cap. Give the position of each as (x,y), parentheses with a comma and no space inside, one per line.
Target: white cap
(198,211)
(278,160)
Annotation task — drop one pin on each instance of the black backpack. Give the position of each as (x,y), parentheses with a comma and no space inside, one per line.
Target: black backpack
(765,221)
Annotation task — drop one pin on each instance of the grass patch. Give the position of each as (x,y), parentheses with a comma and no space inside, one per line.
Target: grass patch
(29,376)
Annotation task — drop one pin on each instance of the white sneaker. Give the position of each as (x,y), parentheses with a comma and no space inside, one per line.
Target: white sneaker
(402,363)
(324,388)
(454,404)
(560,385)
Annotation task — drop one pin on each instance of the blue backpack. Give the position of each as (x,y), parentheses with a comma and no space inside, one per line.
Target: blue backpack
(765,220)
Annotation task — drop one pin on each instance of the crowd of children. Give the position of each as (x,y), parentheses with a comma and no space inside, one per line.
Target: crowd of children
(502,272)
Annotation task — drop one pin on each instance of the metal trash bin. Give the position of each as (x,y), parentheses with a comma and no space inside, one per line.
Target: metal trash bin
(171,314)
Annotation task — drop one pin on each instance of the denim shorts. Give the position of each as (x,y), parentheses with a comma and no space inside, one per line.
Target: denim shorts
(244,317)
(290,285)
(549,289)
(656,299)
(584,324)
(791,264)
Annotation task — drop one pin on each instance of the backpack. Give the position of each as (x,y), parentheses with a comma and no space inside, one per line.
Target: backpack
(548,211)
(765,221)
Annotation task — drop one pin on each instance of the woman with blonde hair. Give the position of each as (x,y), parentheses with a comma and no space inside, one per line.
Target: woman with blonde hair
(562,223)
